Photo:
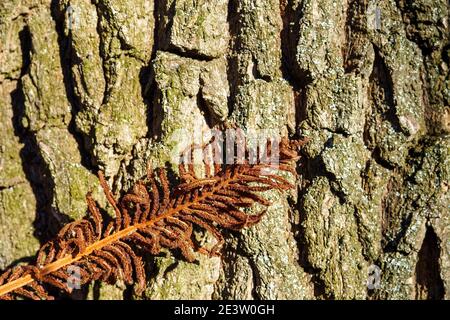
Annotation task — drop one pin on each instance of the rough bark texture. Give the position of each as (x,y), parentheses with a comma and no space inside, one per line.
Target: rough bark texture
(104,84)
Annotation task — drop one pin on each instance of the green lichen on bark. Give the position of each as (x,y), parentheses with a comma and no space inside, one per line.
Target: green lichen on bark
(87,85)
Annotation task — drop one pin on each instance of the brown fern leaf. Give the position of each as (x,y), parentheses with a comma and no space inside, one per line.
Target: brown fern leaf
(148,218)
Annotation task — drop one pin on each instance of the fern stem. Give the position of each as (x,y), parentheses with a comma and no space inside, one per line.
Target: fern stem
(68,259)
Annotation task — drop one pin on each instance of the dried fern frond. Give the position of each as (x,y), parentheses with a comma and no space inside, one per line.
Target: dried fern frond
(148,218)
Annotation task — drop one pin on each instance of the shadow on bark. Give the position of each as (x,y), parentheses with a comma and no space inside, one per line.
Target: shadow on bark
(429,283)
(48,220)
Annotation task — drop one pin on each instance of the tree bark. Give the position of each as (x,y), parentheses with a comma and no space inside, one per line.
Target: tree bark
(105,84)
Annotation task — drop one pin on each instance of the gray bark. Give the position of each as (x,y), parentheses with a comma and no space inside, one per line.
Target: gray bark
(105,84)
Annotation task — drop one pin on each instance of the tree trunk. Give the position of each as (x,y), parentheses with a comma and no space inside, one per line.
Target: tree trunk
(106,84)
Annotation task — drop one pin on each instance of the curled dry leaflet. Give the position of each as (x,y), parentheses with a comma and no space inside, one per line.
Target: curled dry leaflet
(151,216)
